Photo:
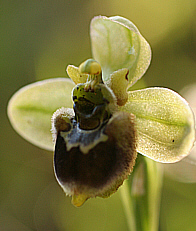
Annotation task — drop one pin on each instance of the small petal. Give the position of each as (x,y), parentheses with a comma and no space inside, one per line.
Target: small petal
(119,83)
(116,44)
(165,124)
(75,75)
(30,109)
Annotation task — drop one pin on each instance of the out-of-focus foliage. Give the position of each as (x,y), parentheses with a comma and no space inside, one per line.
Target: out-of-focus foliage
(38,40)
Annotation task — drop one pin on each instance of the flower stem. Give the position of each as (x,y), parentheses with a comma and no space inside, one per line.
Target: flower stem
(141,195)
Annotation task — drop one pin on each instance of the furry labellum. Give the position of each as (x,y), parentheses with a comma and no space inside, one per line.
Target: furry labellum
(95,147)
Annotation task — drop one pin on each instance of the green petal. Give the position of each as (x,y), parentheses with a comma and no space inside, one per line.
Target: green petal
(30,109)
(75,75)
(120,90)
(116,44)
(165,123)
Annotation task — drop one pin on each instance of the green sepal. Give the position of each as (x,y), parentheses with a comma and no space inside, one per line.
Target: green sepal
(117,44)
(31,108)
(165,123)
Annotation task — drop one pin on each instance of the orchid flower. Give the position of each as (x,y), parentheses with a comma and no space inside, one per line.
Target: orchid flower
(98,124)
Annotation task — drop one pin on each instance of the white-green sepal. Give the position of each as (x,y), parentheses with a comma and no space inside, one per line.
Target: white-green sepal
(165,123)
(31,108)
(116,44)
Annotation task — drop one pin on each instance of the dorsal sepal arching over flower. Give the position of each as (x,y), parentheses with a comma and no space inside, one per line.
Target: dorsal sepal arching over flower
(116,44)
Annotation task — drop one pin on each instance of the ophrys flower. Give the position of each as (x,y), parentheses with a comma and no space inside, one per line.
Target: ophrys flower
(98,131)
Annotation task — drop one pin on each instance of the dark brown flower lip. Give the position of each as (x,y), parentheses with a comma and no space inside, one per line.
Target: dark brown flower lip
(103,168)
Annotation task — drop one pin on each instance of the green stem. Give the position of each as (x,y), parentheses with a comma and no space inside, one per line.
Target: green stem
(128,206)
(141,195)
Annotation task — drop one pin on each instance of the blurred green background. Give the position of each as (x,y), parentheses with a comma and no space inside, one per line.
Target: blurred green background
(38,40)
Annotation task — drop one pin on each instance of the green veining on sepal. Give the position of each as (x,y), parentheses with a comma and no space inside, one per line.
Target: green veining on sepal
(113,51)
(165,123)
(31,108)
